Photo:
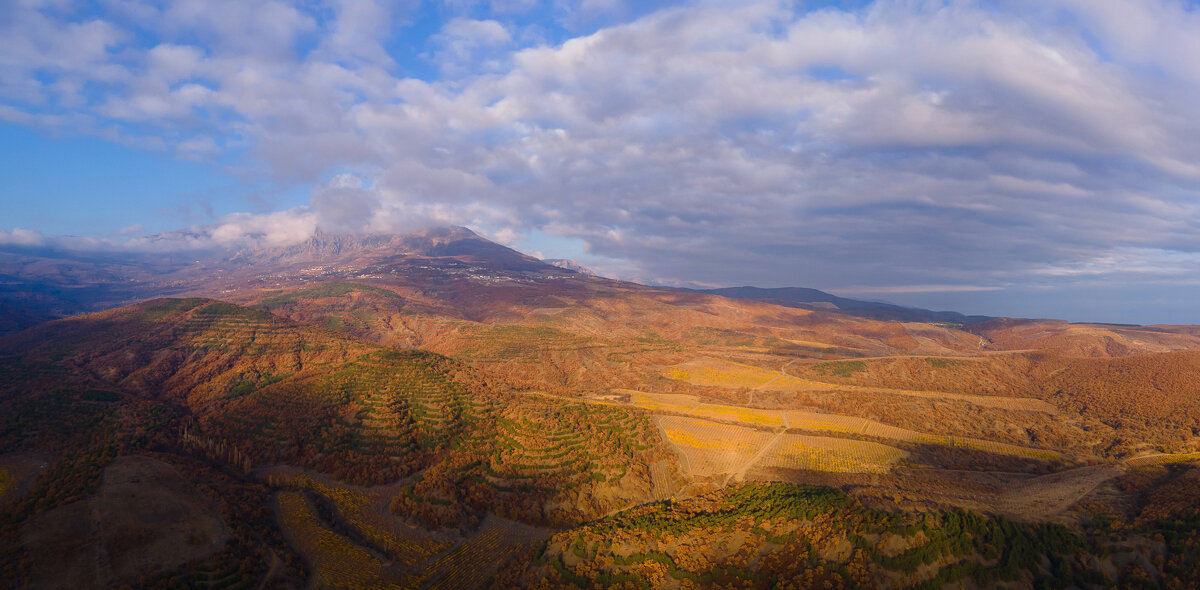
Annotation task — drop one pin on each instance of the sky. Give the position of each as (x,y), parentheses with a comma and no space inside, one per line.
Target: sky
(1030,158)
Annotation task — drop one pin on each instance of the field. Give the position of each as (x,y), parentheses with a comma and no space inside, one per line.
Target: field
(710,449)
(822,422)
(781,536)
(1030,498)
(366,512)
(144,518)
(368,548)
(1163,459)
(472,563)
(837,455)
(720,373)
(335,560)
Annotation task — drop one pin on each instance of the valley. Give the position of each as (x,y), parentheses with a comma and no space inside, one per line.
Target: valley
(438,411)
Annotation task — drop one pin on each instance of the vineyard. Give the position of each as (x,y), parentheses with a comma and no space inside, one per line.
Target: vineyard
(366,513)
(337,562)
(226,328)
(373,420)
(815,453)
(539,462)
(473,563)
(692,406)
(822,422)
(1163,459)
(781,536)
(712,449)
(563,447)
(852,425)
(719,373)
(275,300)
(509,342)
(350,541)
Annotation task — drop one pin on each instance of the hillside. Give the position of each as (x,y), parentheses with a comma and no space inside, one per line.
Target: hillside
(814,299)
(436,411)
(240,390)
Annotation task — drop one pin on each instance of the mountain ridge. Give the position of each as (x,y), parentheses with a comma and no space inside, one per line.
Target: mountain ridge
(808,298)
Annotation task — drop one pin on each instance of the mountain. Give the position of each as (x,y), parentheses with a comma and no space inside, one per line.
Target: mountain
(437,411)
(347,253)
(814,299)
(569,265)
(45,283)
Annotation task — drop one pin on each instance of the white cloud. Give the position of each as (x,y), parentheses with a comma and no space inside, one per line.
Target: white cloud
(21,237)
(467,46)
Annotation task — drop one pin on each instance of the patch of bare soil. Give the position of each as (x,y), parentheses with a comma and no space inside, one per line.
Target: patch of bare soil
(145,518)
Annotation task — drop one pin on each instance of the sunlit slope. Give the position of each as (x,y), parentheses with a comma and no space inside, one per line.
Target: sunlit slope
(596,309)
(819,422)
(1133,400)
(1086,340)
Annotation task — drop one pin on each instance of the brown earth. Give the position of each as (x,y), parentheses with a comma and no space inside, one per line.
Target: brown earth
(144,519)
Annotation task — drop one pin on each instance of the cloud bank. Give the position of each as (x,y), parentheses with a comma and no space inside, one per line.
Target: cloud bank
(968,146)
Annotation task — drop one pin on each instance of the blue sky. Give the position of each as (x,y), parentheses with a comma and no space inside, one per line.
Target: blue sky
(1020,157)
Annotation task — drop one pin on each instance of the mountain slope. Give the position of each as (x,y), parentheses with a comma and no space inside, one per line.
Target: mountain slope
(814,299)
(257,389)
(44,283)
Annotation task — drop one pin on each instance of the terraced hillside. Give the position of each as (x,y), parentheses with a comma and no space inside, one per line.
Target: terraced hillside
(432,419)
(544,463)
(249,393)
(781,536)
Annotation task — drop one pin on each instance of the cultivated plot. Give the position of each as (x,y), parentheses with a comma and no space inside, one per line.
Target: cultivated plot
(1163,459)
(805,420)
(709,449)
(336,561)
(822,422)
(719,373)
(471,564)
(713,449)
(365,510)
(838,455)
